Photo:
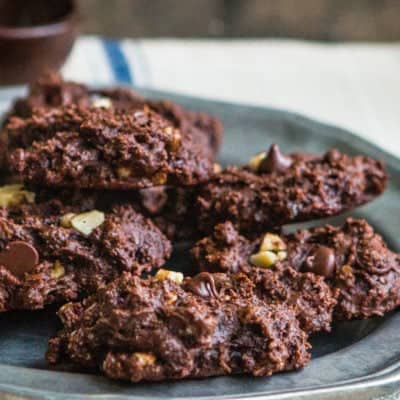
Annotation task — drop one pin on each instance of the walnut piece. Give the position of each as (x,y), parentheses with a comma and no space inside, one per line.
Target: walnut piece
(13,195)
(145,358)
(57,271)
(163,274)
(87,222)
(255,161)
(264,259)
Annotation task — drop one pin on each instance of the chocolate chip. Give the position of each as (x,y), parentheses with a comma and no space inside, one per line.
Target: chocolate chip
(275,161)
(19,258)
(203,285)
(321,261)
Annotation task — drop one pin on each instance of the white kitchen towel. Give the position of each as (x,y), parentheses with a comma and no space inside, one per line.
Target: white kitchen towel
(355,86)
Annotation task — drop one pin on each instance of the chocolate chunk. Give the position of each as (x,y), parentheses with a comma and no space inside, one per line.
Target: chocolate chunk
(203,285)
(321,261)
(19,257)
(275,161)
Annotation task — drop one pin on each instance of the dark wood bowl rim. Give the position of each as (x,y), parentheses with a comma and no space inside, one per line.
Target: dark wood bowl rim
(68,21)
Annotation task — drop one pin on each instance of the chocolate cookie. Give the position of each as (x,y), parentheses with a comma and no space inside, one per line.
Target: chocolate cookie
(50,252)
(353,259)
(227,251)
(158,329)
(51,91)
(276,189)
(104,148)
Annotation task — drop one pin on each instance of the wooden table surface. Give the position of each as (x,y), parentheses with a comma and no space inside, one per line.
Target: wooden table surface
(326,20)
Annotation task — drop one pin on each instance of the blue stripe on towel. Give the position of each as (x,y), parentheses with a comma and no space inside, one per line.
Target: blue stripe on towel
(118,62)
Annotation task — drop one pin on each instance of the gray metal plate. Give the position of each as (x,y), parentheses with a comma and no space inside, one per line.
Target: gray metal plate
(359,358)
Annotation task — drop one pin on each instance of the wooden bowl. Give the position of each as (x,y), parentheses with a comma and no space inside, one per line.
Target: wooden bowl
(35,35)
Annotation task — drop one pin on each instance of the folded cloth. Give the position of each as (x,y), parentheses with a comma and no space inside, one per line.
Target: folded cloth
(355,86)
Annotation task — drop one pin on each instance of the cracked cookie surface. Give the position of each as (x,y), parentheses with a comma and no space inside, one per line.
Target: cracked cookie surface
(353,259)
(272,192)
(52,253)
(158,329)
(103,148)
(51,90)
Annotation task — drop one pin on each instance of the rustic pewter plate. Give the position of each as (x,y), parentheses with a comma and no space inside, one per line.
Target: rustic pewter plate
(360,359)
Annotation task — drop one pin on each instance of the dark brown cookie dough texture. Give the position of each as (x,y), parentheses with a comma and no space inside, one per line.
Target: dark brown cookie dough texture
(308,294)
(159,328)
(175,209)
(51,91)
(191,121)
(276,189)
(170,208)
(353,260)
(99,148)
(53,253)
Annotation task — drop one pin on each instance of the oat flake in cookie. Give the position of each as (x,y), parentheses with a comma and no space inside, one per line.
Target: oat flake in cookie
(93,147)
(353,260)
(53,253)
(158,328)
(277,189)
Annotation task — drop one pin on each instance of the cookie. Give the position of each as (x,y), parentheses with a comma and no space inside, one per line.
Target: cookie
(159,328)
(101,148)
(50,252)
(353,260)
(277,189)
(229,252)
(50,90)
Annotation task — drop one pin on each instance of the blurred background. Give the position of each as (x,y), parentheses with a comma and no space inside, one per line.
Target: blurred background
(342,66)
(323,20)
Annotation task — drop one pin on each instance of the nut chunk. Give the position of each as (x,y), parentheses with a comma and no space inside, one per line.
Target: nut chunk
(87,222)
(13,195)
(216,326)
(162,274)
